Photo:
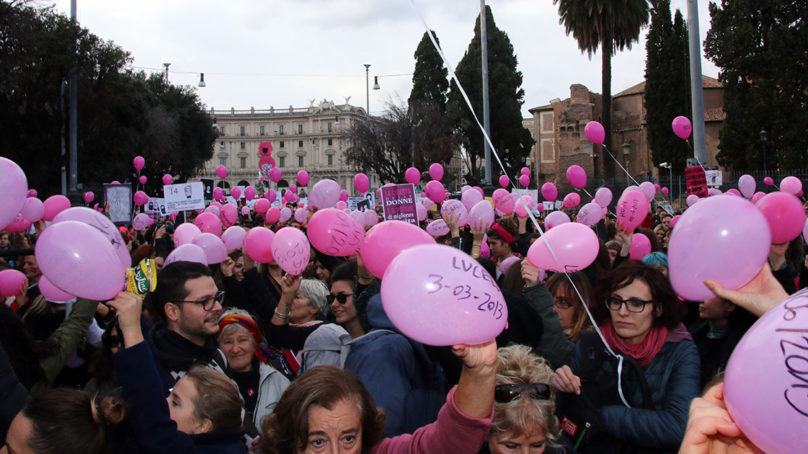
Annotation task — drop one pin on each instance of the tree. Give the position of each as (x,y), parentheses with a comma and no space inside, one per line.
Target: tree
(511,140)
(430,80)
(667,84)
(117,108)
(388,144)
(760,48)
(608,25)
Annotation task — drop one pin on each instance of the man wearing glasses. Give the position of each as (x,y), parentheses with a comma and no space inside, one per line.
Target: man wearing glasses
(187,304)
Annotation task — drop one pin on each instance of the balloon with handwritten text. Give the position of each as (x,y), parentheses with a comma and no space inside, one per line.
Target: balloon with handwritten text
(335,232)
(291,250)
(439,295)
(767,377)
(631,210)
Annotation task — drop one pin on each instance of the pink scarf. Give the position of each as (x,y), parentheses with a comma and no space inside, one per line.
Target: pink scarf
(645,351)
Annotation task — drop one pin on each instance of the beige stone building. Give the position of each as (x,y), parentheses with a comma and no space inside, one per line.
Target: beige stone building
(558,129)
(309,138)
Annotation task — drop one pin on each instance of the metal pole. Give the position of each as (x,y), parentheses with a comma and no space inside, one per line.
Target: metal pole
(696,87)
(166,65)
(367,89)
(62,143)
(670,190)
(74,111)
(486,116)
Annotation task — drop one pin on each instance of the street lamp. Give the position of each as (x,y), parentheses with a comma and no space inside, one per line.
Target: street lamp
(763,137)
(669,166)
(202,80)
(367,89)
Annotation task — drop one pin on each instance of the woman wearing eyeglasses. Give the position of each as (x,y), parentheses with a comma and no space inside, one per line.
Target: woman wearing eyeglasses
(640,317)
(567,305)
(524,405)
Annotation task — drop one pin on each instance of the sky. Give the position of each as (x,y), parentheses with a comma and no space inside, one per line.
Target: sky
(262,53)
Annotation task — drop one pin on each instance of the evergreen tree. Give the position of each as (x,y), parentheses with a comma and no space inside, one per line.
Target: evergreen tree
(760,48)
(430,80)
(667,87)
(511,140)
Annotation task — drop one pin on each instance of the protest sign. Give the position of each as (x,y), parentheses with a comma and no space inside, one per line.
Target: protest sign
(398,202)
(185,196)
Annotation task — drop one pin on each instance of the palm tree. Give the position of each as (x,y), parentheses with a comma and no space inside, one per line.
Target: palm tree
(610,25)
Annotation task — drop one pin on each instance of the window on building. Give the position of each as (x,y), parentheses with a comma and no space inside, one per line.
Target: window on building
(241,130)
(281,145)
(300,161)
(221,130)
(300,128)
(300,143)
(223,161)
(242,163)
(261,130)
(280,129)
(242,145)
(221,145)
(282,161)
(330,142)
(330,160)
(330,127)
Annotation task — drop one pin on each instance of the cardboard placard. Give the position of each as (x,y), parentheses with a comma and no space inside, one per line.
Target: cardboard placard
(184,196)
(119,197)
(714,178)
(398,202)
(368,202)
(696,181)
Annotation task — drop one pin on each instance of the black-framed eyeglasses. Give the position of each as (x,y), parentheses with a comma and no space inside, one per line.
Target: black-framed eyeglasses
(510,392)
(341,298)
(208,303)
(562,302)
(635,305)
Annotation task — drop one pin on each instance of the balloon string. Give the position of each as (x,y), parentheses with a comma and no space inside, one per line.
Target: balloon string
(519,200)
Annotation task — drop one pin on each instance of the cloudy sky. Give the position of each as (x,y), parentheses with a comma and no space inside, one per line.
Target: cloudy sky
(278,53)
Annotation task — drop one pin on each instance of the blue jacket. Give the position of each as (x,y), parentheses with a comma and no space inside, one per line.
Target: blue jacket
(148,422)
(673,379)
(398,374)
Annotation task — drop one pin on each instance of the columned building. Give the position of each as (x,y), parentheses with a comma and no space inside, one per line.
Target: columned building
(310,138)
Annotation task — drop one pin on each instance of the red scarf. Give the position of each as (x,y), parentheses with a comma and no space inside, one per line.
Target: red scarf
(645,351)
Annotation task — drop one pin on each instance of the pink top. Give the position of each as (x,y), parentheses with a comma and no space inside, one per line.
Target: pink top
(453,432)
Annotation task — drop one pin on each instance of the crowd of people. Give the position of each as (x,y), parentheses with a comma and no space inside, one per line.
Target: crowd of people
(243,357)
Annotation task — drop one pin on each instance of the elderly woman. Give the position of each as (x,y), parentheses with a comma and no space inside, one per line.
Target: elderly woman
(524,408)
(309,306)
(328,409)
(645,408)
(259,384)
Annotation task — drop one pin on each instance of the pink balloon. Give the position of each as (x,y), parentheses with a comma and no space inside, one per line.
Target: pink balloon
(771,352)
(549,191)
(273,215)
(590,214)
(291,250)
(523,205)
(221,172)
(674,220)
(435,191)
(665,190)
(286,214)
(525,171)
(361,182)
(168,179)
(214,210)
(503,201)
(386,240)
(691,200)
(236,193)
(229,216)
(575,245)
(52,292)
(32,209)
(249,193)
(572,200)
(681,127)
(734,192)
(213,246)
(437,228)
(436,171)
(270,195)
(524,180)
(359,217)
(301,214)
(115,182)
(142,179)
(18,225)
(768,181)
(640,246)
(258,244)
(140,198)
(603,197)
(555,219)
(713,191)
(507,263)
(700,246)
(187,253)
(747,185)
(11,283)
(293,188)
(470,198)
(31,192)
(576,175)
(439,295)
(343,195)
(218,193)
(784,214)
(657,186)
(454,209)
(139,163)
(261,206)
(302,178)
(185,234)
(370,218)
(141,221)
(79,259)
(481,216)
(480,190)
(334,232)
(245,210)
(275,175)
(88,197)
(412,175)
(631,210)
(595,133)
(341,205)
(485,251)
(233,237)
(209,223)
(420,210)
(53,205)
(324,194)
(648,190)
(791,185)
(504,181)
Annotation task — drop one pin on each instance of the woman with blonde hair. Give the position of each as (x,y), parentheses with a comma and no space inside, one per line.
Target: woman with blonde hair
(568,305)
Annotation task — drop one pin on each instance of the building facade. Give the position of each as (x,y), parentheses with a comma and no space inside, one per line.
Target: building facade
(311,139)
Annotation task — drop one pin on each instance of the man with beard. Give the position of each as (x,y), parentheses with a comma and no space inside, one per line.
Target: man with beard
(187,304)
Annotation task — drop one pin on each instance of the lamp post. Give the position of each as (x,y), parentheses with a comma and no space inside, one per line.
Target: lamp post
(669,166)
(763,137)
(367,89)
